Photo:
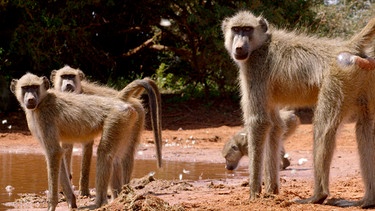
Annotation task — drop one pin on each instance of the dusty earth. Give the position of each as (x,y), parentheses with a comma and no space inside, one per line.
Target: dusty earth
(210,126)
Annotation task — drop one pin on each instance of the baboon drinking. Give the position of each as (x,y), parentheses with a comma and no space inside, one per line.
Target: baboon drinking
(68,79)
(237,146)
(55,117)
(279,68)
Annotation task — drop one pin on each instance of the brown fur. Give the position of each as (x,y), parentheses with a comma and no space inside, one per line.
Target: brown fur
(237,146)
(55,117)
(68,79)
(280,68)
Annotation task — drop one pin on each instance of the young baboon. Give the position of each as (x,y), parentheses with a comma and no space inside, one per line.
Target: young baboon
(68,79)
(55,117)
(279,68)
(237,146)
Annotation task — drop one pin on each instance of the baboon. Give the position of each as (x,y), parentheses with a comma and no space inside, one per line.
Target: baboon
(237,146)
(347,94)
(55,117)
(279,68)
(68,79)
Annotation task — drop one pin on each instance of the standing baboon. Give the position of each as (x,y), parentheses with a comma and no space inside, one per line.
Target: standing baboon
(237,146)
(347,94)
(68,79)
(55,117)
(278,68)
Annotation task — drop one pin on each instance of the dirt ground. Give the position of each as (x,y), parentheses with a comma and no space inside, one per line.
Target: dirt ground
(210,126)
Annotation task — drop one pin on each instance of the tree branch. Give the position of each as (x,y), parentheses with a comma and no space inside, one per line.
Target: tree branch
(147,43)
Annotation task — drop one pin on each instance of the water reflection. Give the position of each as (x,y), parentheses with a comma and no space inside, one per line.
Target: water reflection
(27,173)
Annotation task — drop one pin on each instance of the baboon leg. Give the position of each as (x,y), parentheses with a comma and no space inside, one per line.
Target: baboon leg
(272,160)
(104,168)
(117,178)
(327,120)
(108,152)
(258,128)
(85,169)
(67,185)
(68,149)
(53,171)
(56,166)
(128,164)
(128,159)
(365,139)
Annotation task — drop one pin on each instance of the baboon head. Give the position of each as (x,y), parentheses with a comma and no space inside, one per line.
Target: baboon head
(30,90)
(244,33)
(232,152)
(67,79)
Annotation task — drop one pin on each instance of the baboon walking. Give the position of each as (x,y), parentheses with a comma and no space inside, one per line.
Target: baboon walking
(279,68)
(55,117)
(68,79)
(237,146)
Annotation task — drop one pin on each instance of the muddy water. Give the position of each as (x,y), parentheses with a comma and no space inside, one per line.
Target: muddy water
(27,173)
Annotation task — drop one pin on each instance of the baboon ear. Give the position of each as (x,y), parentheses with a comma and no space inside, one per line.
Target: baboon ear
(224,24)
(13,85)
(263,24)
(53,75)
(46,82)
(81,75)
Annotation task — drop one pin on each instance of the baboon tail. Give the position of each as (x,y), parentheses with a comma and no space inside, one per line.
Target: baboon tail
(135,89)
(364,37)
(155,97)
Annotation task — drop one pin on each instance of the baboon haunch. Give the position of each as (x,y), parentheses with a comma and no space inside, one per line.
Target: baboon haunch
(237,146)
(68,79)
(278,68)
(55,117)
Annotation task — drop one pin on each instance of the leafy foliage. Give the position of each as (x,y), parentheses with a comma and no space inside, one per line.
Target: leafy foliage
(115,42)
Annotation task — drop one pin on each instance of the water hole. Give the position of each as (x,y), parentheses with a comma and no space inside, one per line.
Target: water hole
(27,173)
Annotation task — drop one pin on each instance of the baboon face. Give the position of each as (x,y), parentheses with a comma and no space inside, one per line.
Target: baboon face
(243,35)
(67,79)
(67,83)
(232,154)
(29,90)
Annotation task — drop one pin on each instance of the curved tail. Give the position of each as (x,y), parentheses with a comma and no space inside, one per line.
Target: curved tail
(364,37)
(135,89)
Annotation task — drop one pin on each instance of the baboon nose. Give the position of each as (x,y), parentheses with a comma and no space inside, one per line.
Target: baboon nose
(31,103)
(229,167)
(69,88)
(238,50)
(240,53)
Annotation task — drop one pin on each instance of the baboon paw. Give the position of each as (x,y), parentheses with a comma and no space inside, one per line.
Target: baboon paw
(254,196)
(312,200)
(342,203)
(367,204)
(100,203)
(272,191)
(73,206)
(84,194)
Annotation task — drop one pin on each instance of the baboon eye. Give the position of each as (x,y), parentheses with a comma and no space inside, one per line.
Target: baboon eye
(234,147)
(68,76)
(248,29)
(30,88)
(236,29)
